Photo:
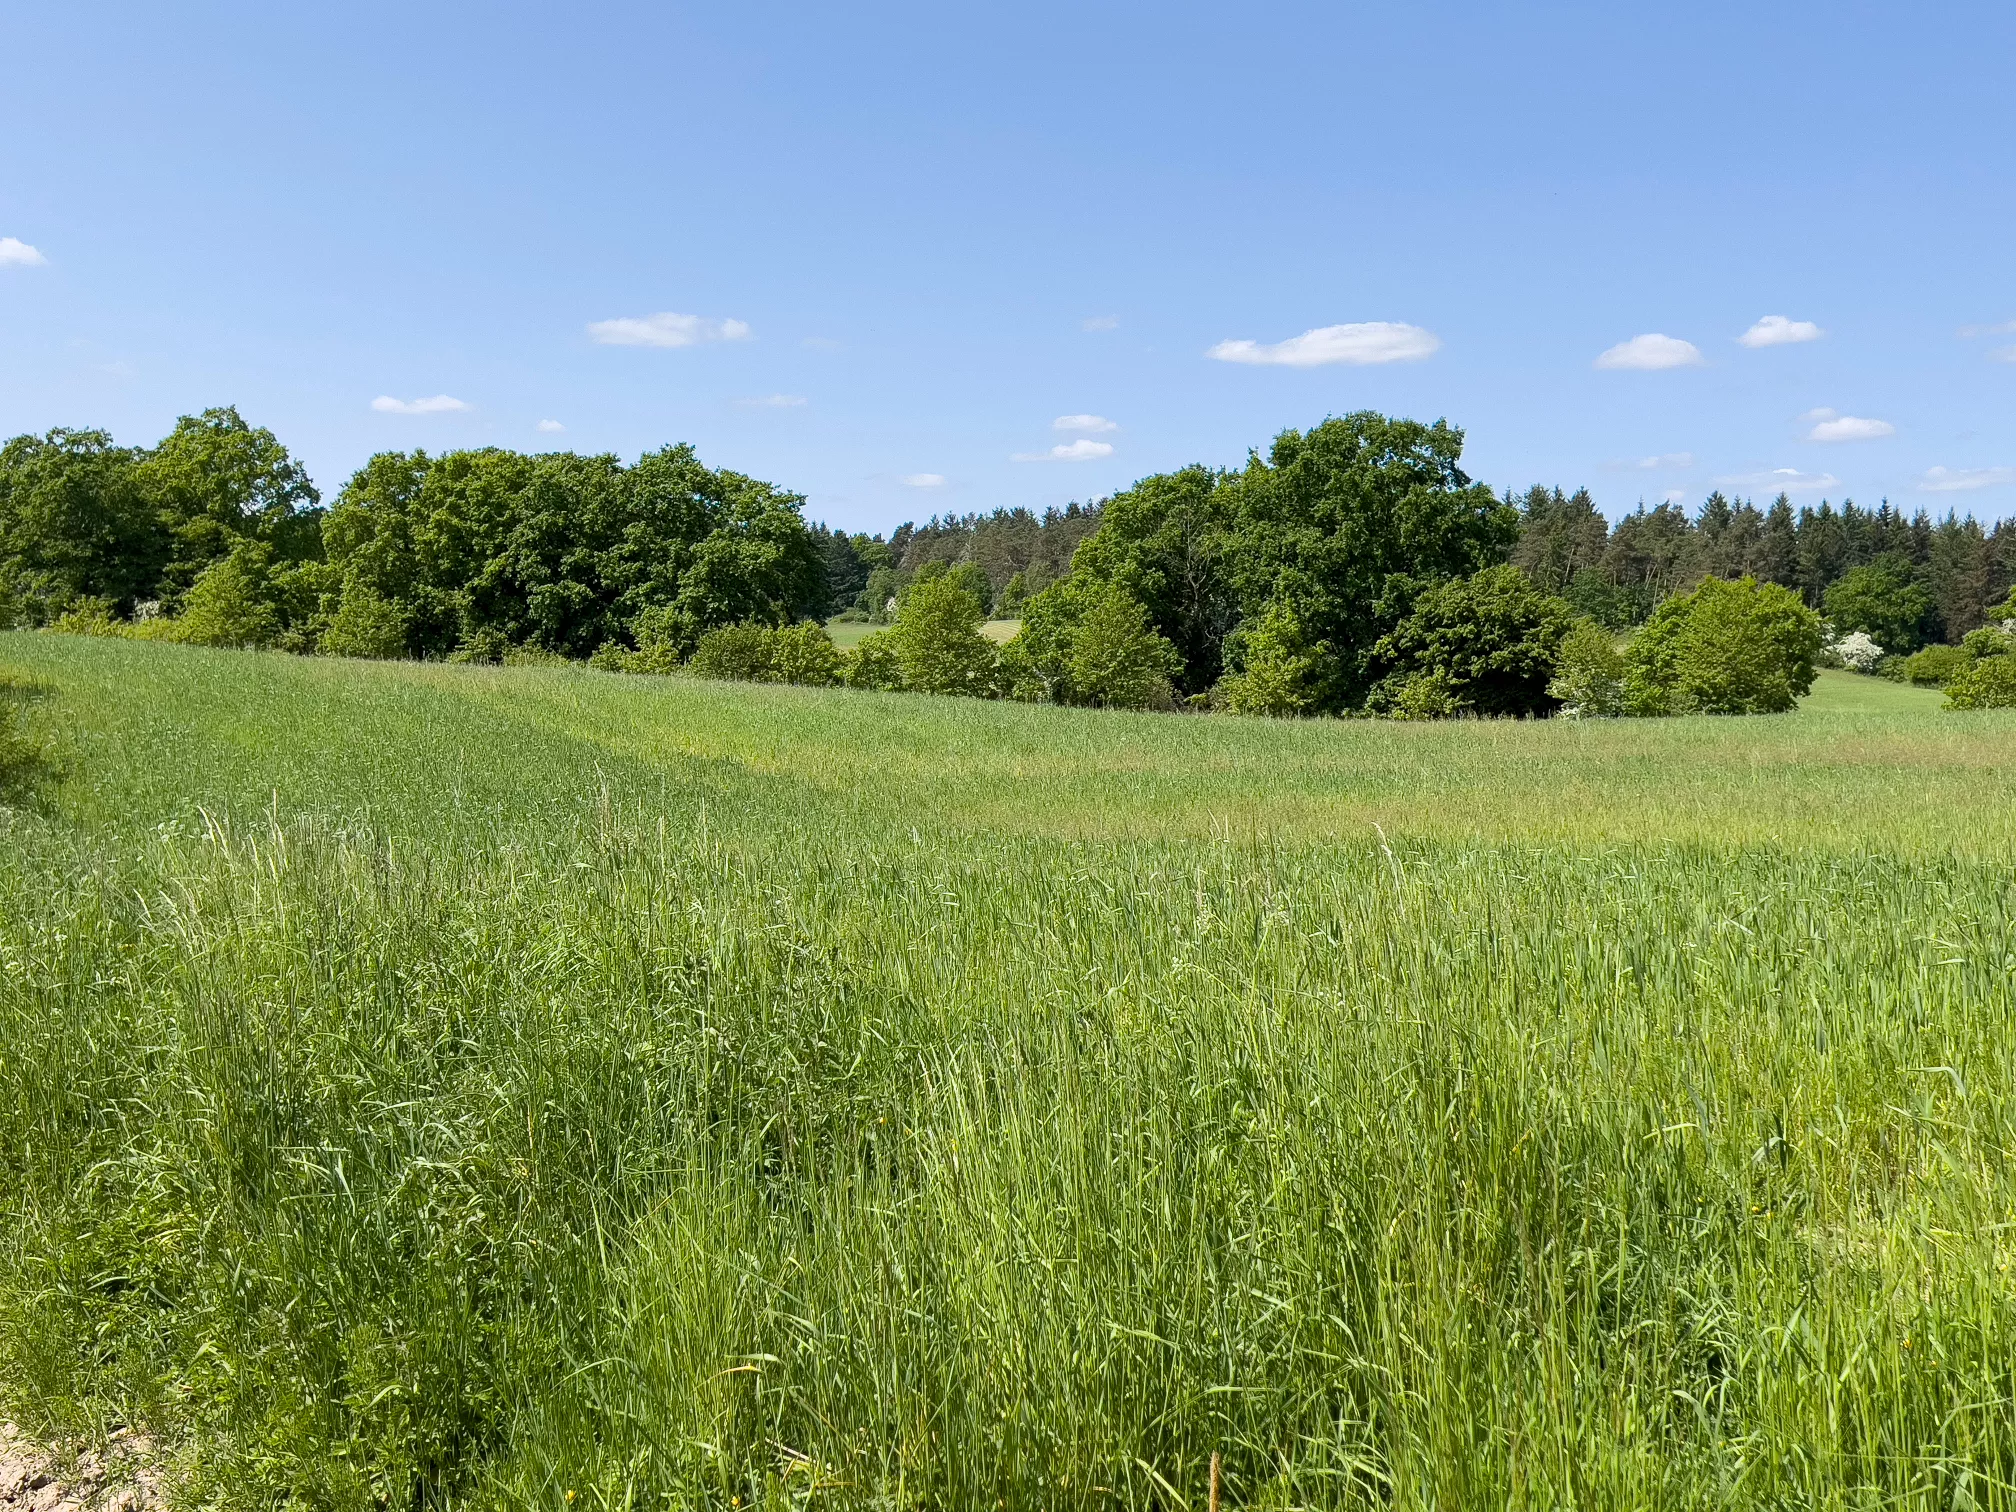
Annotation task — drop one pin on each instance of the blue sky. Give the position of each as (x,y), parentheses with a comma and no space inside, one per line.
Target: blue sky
(858,249)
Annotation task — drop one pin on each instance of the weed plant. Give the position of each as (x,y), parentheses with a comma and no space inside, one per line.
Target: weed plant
(443,1087)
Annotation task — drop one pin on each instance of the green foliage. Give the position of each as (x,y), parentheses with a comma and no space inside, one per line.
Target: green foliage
(1988,680)
(1725,648)
(365,625)
(1989,683)
(216,481)
(74,525)
(1118,661)
(1491,640)
(1883,600)
(741,653)
(874,664)
(567,552)
(1612,605)
(25,762)
(1588,673)
(801,653)
(804,655)
(1341,524)
(233,602)
(1430,694)
(1086,641)
(1929,668)
(1278,670)
(938,643)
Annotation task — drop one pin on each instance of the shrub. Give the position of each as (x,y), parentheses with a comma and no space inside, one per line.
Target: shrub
(874,664)
(1988,684)
(89,616)
(23,761)
(1492,639)
(1726,648)
(231,603)
(1085,642)
(365,625)
(938,642)
(739,653)
(1931,667)
(1988,681)
(1856,651)
(484,646)
(1118,660)
(1279,671)
(804,654)
(1432,694)
(1588,673)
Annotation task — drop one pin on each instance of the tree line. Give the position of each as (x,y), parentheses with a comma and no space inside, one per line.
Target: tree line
(1354,567)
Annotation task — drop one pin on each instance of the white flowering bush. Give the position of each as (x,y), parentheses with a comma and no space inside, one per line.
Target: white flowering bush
(1858,653)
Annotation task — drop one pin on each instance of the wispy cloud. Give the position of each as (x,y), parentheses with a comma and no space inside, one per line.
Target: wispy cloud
(774,401)
(820,344)
(1069,451)
(15,253)
(2000,328)
(1781,480)
(1101,323)
(1359,345)
(550,427)
(1829,426)
(666,329)
(1651,353)
(1093,425)
(1964,479)
(2003,354)
(1664,462)
(1777,330)
(922,480)
(440,404)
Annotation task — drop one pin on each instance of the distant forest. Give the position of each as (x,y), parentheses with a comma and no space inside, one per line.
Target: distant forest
(1615,574)
(482,550)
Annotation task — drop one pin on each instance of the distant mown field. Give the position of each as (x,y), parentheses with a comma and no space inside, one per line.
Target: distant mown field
(445,1086)
(848,634)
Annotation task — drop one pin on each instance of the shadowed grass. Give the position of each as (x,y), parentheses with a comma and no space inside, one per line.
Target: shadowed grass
(446,1085)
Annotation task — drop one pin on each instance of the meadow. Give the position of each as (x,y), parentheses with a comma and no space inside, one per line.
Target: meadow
(444,1086)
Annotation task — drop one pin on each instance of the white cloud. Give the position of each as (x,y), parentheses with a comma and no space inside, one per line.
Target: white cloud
(1101,323)
(2005,328)
(1962,479)
(1096,425)
(15,253)
(820,344)
(665,329)
(2003,354)
(1651,353)
(1360,344)
(1664,461)
(774,401)
(1069,451)
(1675,496)
(1776,330)
(922,480)
(1781,480)
(440,404)
(550,427)
(1833,427)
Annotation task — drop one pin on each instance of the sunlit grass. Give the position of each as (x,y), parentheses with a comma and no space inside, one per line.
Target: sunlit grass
(470,1086)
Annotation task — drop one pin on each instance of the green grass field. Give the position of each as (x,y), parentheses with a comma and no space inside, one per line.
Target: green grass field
(451,1086)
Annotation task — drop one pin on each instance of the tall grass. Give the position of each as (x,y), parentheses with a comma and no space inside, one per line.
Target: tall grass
(444,1087)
